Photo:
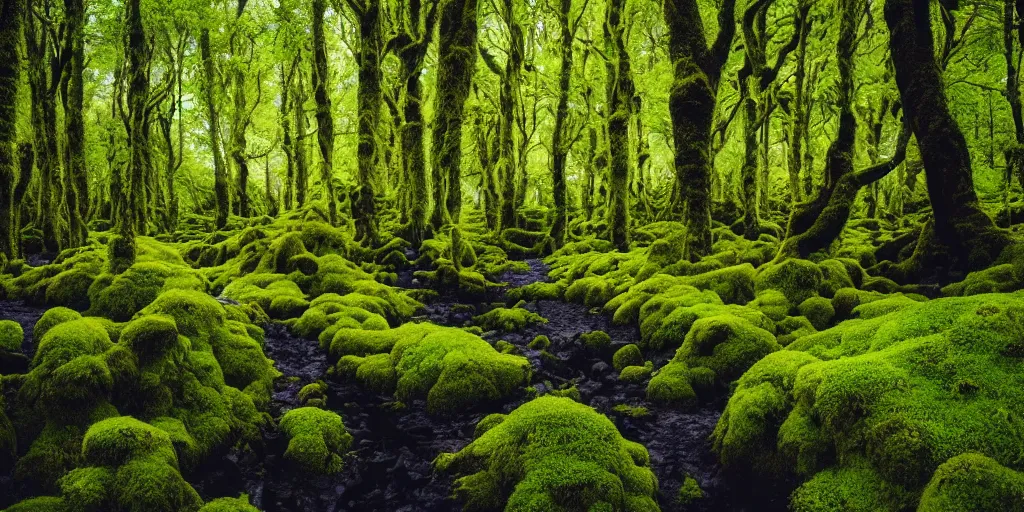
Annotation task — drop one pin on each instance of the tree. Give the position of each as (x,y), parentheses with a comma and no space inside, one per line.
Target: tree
(364,209)
(693,99)
(620,92)
(960,235)
(210,90)
(11,16)
(456,60)
(324,116)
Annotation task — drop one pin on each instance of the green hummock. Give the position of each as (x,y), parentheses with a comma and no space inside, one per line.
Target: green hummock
(317,440)
(11,336)
(552,454)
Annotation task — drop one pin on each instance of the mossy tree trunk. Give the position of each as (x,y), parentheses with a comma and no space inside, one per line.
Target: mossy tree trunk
(411,45)
(364,209)
(287,78)
(26,160)
(456,61)
(620,90)
(487,153)
(241,115)
(561,142)
(324,115)
(11,17)
(165,119)
(963,236)
(301,147)
(799,114)
(815,224)
(76,184)
(132,214)
(693,97)
(587,194)
(1012,27)
(220,173)
(41,67)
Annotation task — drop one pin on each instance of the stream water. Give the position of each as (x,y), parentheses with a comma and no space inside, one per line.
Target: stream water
(390,468)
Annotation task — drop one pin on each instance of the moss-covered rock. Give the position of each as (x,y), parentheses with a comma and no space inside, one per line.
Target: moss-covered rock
(637,373)
(976,483)
(627,355)
(541,342)
(797,279)
(11,336)
(671,385)
(508,319)
(818,310)
(727,345)
(553,454)
(317,440)
(451,368)
(240,504)
(889,399)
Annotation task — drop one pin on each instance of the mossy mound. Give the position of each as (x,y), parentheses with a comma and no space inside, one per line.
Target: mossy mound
(797,279)
(727,345)
(554,454)
(666,320)
(628,355)
(11,336)
(972,482)
(240,504)
(451,368)
(120,296)
(512,319)
(874,406)
(317,440)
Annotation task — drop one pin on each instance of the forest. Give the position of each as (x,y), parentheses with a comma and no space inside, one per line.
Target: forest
(519,255)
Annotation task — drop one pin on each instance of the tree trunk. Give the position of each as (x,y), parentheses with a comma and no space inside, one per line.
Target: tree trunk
(456,60)
(560,143)
(324,116)
(692,102)
(620,100)
(123,247)
(11,16)
(76,179)
(301,149)
(369,100)
(964,237)
(37,45)
(220,175)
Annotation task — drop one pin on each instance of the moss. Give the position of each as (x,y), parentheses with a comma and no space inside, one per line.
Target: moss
(317,440)
(596,341)
(553,454)
(120,297)
(506,348)
(772,303)
(689,492)
(240,504)
(636,373)
(451,368)
(856,489)
(735,285)
(11,336)
(838,274)
(537,291)
(508,319)
(665,322)
(631,411)
(901,392)
(973,482)
(626,356)
(818,310)
(797,279)
(50,318)
(671,386)
(40,504)
(725,344)
(591,291)
(70,288)
(541,342)
(314,394)
(284,307)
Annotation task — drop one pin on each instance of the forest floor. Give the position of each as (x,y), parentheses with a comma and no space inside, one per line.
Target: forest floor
(390,468)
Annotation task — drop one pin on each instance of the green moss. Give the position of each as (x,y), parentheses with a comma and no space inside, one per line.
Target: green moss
(591,291)
(508,319)
(240,504)
(626,356)
(735,285)
(314,394)
(451,368)
(40,504)
(596,341)
(818,310)
(317,440)
(538,291)
(11,336)
(553,454)
(973,482)
(541,342)
(636,373)
(70,288)
(120,297)
(856,489)
(689,492)
(725,344)
(772,303)
(796,279)
(671,386)
(50,318)
(838,274)
(901,392)
(999,278)
(284,306)
(631,411)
